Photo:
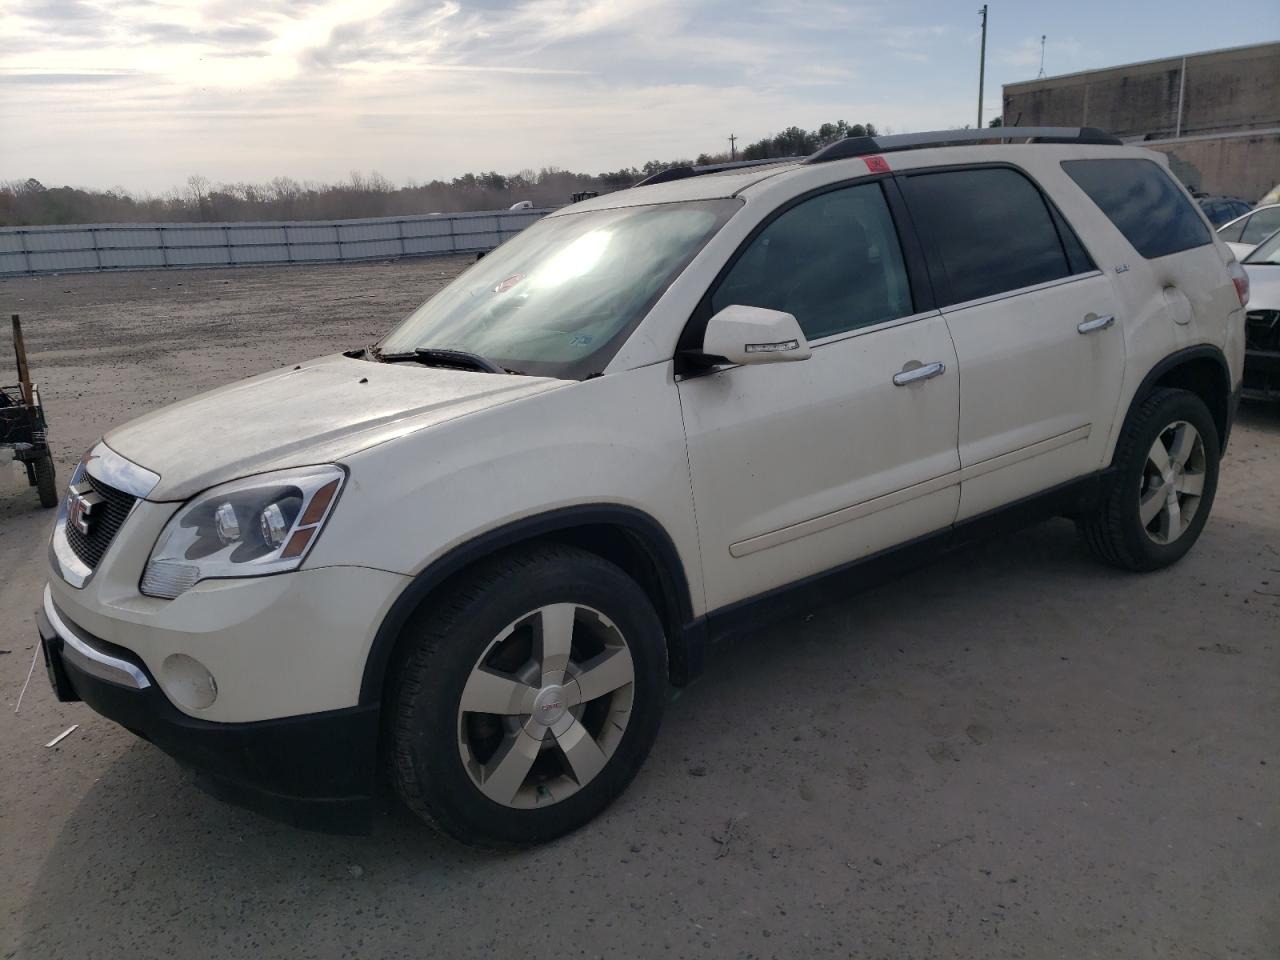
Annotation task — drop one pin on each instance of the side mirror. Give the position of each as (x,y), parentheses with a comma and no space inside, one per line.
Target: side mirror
(745,335)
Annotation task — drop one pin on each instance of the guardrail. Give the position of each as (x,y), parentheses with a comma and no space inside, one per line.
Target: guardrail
(26,251)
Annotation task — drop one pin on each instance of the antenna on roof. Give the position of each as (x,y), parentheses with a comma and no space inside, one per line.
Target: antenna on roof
(1040,75)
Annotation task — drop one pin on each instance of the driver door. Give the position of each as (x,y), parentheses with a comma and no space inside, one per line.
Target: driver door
(801,467)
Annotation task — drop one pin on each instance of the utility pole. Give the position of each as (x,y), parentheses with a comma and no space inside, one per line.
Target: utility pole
(982,62)
(733,148)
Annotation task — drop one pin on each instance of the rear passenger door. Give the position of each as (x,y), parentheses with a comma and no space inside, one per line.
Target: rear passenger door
(1041,356)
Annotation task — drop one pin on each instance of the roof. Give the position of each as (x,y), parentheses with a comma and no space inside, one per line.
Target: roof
(712,186)
(692,183)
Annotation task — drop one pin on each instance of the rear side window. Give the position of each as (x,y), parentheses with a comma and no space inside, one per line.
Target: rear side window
(1139,197)
(990,231)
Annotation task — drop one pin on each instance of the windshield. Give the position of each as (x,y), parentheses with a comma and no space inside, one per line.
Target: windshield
(1268,251)
(559,298)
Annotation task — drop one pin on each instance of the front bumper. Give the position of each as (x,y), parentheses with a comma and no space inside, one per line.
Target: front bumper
(316,771)
(285,645)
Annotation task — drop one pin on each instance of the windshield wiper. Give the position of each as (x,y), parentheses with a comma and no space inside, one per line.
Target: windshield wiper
(436,357)
(464,359)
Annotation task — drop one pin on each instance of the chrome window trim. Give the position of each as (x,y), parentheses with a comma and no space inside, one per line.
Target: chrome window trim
(1020,291)
(873,328)
(81,651)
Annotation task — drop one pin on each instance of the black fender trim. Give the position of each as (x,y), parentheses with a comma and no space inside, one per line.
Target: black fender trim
(1173,360)
(684,637)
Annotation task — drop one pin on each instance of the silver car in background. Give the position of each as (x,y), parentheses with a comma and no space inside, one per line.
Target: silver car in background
(1262,320)
(1245,232)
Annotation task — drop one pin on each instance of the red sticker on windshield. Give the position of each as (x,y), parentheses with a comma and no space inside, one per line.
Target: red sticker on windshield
(877,164)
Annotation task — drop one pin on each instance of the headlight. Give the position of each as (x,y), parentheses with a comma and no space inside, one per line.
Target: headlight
(246,528)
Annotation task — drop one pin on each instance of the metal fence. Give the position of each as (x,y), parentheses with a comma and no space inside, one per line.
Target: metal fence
(138,246)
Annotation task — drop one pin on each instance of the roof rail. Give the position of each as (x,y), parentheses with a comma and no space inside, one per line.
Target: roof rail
(862,146)
(681,173)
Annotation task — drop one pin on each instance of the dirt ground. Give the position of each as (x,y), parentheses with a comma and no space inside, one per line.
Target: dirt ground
(1013,753)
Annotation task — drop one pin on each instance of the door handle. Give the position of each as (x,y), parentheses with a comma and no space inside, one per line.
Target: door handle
(925,371)
(1093,322)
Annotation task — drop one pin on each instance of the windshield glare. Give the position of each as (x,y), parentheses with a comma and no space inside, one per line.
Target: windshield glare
(1268,251)
(559,298)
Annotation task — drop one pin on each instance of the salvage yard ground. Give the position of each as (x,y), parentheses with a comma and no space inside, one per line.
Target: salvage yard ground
(1014,752)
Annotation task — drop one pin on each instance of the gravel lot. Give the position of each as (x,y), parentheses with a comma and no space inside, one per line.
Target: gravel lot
(1014,752)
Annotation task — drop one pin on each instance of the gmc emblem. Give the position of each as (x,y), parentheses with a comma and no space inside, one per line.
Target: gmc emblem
(82,504)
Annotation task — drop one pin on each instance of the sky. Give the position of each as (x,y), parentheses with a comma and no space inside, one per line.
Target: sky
(141,94)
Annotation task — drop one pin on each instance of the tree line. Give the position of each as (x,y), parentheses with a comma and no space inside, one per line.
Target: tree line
(30,202)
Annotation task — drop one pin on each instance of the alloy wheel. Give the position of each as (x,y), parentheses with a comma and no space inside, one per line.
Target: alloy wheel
(1172,482)
(546,706)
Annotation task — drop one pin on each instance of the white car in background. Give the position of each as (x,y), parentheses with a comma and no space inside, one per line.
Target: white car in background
(1262,321)
(1245,232)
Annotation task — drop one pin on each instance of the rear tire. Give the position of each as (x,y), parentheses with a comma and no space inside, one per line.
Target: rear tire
(1166,476)
(527,698)
(46,481)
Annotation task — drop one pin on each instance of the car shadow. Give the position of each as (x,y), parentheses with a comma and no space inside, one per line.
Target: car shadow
(1260,415)
(18,499)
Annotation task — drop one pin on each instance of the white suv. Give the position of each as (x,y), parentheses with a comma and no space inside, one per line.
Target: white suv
(474,555)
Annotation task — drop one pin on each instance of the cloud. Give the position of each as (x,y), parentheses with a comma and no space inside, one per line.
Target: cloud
(67,18)
(425,88)
(233,35)
(59,11)
(64,79)
(404,32)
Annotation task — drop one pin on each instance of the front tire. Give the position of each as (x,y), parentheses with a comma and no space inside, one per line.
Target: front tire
(528,697)
(1166,477)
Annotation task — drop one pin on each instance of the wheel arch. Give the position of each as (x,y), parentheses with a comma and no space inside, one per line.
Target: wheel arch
(1201,370)
(630,538)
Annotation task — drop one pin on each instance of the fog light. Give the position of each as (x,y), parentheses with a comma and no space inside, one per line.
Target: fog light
(188,681)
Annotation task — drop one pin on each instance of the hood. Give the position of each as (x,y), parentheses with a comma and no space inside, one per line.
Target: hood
(1264,286)
(317,412)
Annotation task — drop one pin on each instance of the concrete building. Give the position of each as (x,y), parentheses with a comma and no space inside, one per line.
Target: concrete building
(1216,114)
